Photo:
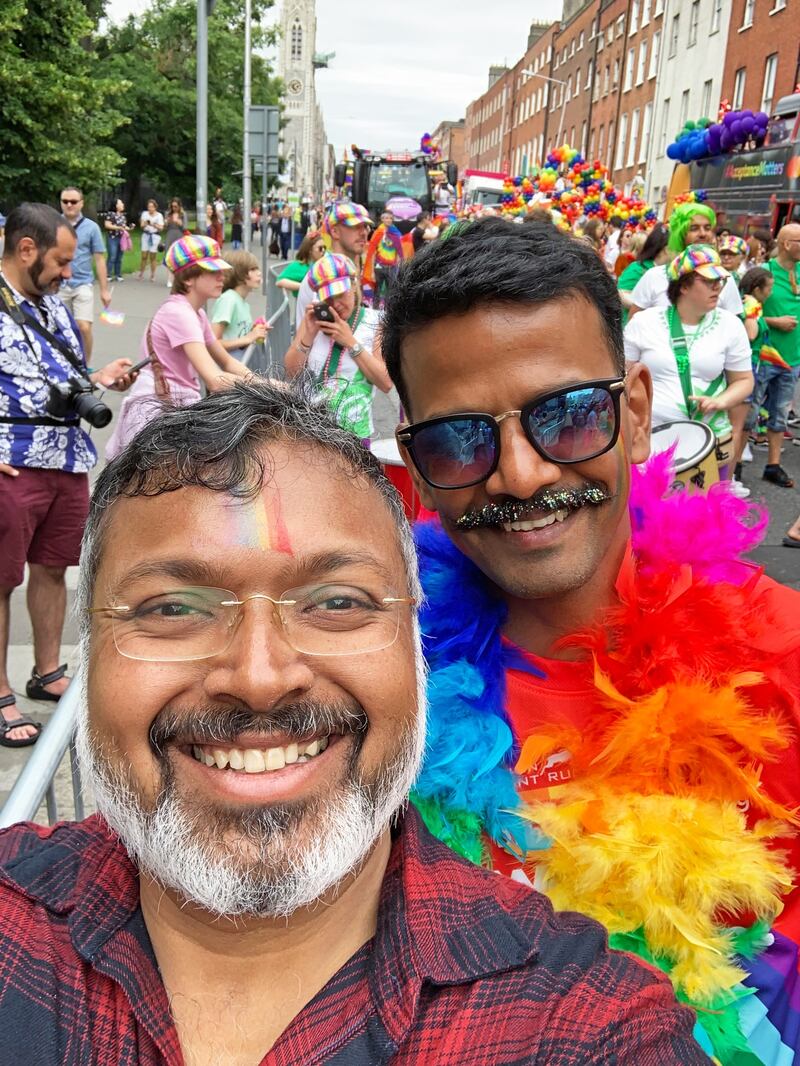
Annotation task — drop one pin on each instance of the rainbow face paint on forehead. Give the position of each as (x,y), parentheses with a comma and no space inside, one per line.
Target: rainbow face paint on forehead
(260,524)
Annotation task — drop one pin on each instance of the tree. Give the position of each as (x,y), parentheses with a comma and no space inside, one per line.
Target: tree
(155,55)
(58,107)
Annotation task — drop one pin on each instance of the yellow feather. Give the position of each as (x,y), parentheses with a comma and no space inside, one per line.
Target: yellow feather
(678,867)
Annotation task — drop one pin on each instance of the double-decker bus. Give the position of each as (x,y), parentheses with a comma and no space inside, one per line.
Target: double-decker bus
(759,189)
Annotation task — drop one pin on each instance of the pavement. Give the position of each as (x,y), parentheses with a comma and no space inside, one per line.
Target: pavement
(139,300)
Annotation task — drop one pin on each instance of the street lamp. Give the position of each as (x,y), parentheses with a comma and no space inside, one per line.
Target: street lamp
(555,81)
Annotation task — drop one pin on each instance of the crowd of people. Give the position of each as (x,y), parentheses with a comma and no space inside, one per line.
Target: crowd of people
(310,734)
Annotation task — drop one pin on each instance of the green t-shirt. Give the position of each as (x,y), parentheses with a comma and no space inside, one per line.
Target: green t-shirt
(631,274)
(294,271)
(783,301)
(235,312)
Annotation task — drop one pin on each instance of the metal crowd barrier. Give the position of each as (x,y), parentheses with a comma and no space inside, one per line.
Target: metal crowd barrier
(37,780)
(267,358)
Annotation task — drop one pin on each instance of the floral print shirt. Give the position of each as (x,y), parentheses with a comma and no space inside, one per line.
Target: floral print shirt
(25,378)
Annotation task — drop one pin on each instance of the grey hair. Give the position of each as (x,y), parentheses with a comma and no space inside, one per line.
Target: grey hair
(220,443)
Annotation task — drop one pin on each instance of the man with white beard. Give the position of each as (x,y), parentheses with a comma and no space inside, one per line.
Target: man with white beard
(253,889)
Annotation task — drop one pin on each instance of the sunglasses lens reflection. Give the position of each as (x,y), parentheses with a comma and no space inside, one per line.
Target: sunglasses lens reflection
(575,425)
(455,453)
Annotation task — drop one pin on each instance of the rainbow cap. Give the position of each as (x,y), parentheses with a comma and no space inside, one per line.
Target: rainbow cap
(699,259)
(331,275)
(194,250)
(731,243)
(346,213)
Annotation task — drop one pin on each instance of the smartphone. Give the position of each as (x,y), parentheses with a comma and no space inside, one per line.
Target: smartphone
(323,313)
(135,368)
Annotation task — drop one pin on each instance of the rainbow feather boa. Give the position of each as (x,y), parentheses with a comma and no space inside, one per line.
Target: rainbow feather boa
(649,838)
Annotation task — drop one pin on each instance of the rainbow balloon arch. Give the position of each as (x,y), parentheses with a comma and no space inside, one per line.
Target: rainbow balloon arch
(574,189)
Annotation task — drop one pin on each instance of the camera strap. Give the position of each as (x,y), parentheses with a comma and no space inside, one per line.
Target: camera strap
(23,319)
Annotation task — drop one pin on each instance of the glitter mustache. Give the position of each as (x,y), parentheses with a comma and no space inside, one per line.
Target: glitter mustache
(494,514)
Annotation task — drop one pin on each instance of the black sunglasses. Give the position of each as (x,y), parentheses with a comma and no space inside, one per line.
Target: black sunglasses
(70,201)
(569,425)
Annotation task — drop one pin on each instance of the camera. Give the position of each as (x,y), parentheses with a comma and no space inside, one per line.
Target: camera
(75,397)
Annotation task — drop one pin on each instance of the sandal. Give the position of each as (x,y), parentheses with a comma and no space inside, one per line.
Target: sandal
(35,688)
(791,542)
(6,727)
(778,476)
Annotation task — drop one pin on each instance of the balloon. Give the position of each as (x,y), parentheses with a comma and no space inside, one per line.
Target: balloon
(673,151)
(748,124)
(729,119)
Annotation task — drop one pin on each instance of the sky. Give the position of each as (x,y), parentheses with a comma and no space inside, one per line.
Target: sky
(402,66)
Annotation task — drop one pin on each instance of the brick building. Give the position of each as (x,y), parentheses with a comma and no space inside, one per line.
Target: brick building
(531,92)
(644,39)
(450,138)
(487,118)
(762,61)
(573,67)
(609,37)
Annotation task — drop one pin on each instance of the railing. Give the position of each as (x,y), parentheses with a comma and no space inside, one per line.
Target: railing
(37,780)
(267,358)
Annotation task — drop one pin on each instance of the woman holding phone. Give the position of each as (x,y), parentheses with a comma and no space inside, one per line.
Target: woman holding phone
(179,342)
(338,345)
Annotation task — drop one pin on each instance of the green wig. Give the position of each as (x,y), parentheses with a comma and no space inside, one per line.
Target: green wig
(679,223)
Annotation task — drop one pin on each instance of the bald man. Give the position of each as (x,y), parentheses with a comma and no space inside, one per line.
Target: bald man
(775,384)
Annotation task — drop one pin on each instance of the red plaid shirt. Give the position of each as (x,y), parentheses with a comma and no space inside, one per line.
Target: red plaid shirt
(465,967)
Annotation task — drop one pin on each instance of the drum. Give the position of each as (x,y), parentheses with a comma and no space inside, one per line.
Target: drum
(694,458)
(724,454)
(388,454)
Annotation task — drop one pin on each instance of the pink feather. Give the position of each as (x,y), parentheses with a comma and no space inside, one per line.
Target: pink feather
(709,531)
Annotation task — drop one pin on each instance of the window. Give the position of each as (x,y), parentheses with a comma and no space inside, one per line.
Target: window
(642,62)
(615,82)
(569,88)
(684,107)
(694,18)
(620,26)
(770,69)
(600,43)
(610,35)
(589,72)
(621,141)
(747,14)
(645,12)
(581,40)
(716,17)
(674,35)
(591,142)
(664,138)
(705,99)
(633,26)
(738,88)
(647,130)
(659,8)
(601,142)
(583,137)
(572,136)
(593,31)
(606,79)
(572,47)
(634,138)
(555,64)
(297,42)
(654,54)
(779,6)
(629,70)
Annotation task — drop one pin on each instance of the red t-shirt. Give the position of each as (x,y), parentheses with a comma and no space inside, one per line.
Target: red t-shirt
(563,696)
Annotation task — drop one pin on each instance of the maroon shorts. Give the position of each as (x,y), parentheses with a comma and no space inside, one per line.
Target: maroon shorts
(42,515)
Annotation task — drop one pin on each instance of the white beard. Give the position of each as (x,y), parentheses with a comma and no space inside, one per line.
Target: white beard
(260,868)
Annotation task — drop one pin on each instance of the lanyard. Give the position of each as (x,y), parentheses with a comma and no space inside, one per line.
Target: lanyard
(335,354)
(680,349)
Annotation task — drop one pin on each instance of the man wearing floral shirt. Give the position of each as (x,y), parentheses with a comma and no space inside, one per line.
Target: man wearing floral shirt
(44,461)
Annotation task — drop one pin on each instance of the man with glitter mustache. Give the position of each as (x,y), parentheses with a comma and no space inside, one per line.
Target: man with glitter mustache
(253,889)
(586,638)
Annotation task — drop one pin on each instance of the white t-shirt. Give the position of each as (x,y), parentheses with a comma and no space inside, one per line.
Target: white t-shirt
(347,367)
(718,344)
(305,296)
(151,222)
(611,253)
(651,291)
